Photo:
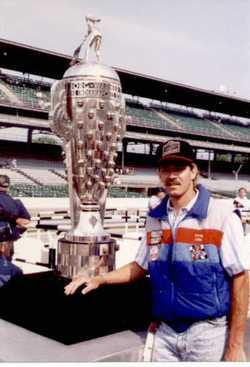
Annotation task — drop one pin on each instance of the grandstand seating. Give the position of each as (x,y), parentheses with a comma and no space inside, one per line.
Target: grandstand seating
(44,176)
(54,185)
(163,119)
(46,172)
(28,92)
(31,96)
(3,97)
(40,163)
(242,132)
(147,118)
(29,176)
(49,174)
(39,191)
(16,178)
(33,171)
(59,174)
(36,95)
(26,190)
(117,192)
(195,125)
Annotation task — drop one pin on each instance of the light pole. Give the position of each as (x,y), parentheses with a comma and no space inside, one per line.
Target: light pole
(236,175)
(209,165)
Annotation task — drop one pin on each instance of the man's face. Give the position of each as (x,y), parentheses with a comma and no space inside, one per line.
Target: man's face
(177,177)
(242,193)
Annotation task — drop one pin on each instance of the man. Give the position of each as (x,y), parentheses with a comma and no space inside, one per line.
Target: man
(14,218)
(192,251)
(242,206)
(242,199)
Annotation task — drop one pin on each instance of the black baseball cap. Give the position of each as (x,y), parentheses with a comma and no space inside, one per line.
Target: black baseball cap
(4,181)
(176,150)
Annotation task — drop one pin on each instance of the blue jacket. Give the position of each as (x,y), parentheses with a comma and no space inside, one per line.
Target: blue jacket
(188,280)
(8,270)
(10,210)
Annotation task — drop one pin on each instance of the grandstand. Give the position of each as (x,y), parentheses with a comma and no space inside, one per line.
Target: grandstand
(25,91)
(181,122)
(216,124)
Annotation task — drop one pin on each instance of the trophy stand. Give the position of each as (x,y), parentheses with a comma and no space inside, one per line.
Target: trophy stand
(88,113)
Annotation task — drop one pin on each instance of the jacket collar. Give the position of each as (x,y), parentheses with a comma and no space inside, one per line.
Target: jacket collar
(199,209)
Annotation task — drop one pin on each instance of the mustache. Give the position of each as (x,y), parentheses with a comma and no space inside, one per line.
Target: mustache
(172,182)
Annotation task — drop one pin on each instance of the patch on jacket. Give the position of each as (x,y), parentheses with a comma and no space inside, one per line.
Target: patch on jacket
(159,237)
(154,238)
(198,252)
(154,253)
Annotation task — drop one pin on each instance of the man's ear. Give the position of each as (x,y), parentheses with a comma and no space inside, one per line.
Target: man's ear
(194,169)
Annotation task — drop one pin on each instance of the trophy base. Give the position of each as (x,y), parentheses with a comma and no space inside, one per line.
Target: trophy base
(37,302)
(89,257)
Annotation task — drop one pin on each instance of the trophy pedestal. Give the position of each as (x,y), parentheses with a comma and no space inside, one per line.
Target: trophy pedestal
(37,302)
(85,256)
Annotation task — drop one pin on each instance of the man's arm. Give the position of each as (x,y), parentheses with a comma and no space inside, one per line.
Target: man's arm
(23,218)
(125,274)
(22,211)
(238,318)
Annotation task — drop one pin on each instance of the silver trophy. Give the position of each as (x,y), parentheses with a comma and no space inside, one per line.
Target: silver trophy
(88,113)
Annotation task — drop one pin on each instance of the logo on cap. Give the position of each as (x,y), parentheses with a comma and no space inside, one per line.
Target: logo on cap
(171,147)
(177,150)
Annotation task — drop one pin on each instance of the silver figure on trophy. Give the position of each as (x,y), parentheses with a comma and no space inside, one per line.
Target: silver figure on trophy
(88,113)
(93,38)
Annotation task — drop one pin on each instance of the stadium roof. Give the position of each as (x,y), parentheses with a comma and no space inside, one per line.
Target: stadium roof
(31,60)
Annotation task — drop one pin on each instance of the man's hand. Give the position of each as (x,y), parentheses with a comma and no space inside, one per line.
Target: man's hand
(22,222)
(235,354)
(91,284)
(127,273)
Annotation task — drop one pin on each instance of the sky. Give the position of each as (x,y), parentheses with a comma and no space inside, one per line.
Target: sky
(202,43)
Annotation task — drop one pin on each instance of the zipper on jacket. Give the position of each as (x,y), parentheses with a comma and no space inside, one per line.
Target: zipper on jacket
(216,293)
(172,297)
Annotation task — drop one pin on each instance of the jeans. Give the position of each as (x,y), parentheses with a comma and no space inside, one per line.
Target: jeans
(203,341)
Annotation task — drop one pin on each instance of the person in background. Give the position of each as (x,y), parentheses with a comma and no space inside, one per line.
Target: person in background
(193,250)
(14,163)
(14,218)
(157,195)
(242,203)
(242,199)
